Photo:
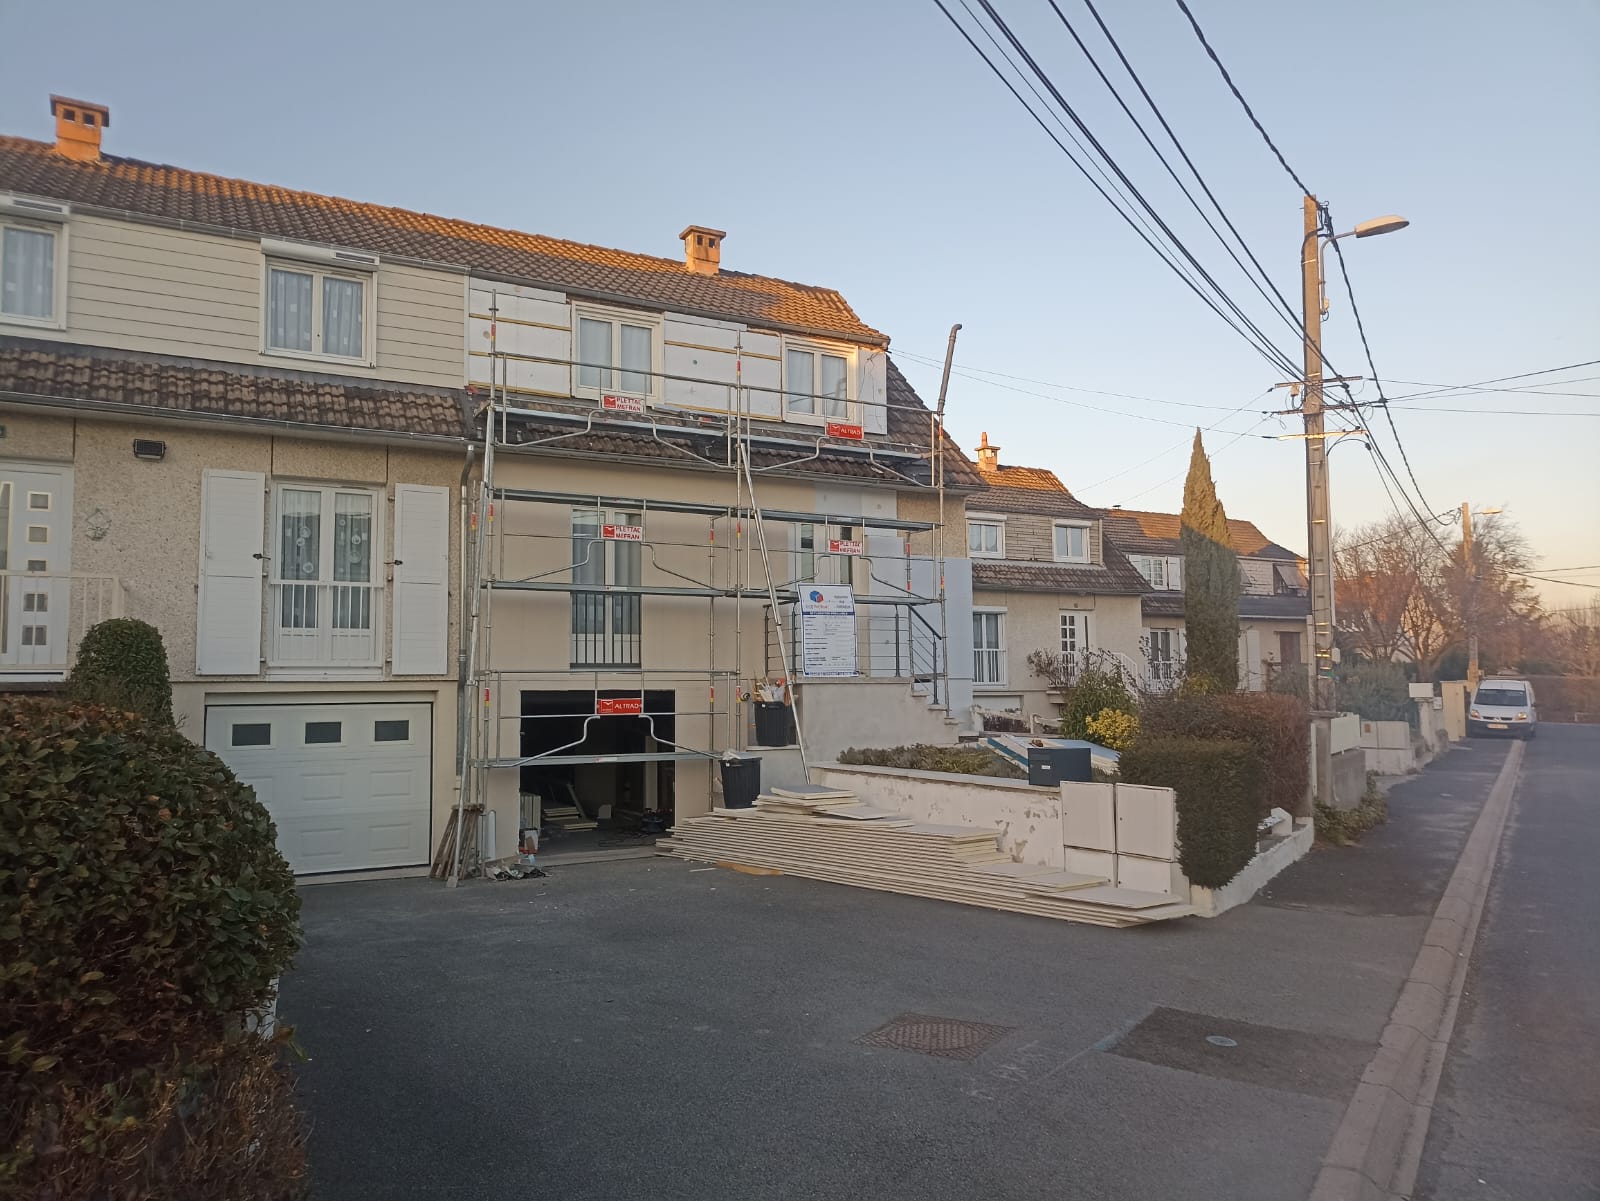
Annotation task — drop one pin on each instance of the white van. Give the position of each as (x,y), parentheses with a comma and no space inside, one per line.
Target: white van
(1503,706)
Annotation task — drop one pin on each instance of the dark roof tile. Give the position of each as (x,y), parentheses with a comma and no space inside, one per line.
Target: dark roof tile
(1117,577)
(1157,534)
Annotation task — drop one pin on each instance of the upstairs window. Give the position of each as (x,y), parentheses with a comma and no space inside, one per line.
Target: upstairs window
(1160,571)
(28,273)
(816,383)
(986,538)
(1071,542)
(616,353)
(316,312)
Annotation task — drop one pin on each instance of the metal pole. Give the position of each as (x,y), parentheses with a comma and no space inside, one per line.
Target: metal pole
(942,651)
(1319,526)
(1469,599)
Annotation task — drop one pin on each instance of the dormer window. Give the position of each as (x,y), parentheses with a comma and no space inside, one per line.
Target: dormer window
(616,353)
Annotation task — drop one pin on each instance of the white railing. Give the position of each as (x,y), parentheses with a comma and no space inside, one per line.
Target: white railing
(44,615)
(325,625)
(1063,668)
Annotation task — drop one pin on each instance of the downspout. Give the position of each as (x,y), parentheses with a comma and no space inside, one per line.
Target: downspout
(938,434)
(464,630)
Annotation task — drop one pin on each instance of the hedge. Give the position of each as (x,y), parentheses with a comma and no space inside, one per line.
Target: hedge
(1277,726)
(142,888)
(122,663)
(961,760)
(1219,787)
(1375,691)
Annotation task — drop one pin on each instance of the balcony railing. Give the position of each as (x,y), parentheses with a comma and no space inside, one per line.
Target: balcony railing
(325,625)
(44,615)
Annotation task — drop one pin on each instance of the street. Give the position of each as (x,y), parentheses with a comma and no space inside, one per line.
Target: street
(1518,1112)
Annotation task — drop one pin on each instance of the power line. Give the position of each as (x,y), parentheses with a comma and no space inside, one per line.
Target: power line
(1245,104)
(973,373)
(1236,439)
(1528,575)
(1502,412)
(1559,570)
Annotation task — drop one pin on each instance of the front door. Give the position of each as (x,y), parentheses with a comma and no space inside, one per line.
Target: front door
(35,566)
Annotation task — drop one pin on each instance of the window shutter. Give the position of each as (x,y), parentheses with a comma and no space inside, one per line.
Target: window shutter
(421,580)
(232,526)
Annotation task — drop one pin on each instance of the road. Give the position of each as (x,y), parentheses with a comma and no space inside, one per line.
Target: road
(1518,1112)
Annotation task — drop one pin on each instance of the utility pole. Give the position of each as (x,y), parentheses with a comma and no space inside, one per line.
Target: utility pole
(1469,598)
(1319,526)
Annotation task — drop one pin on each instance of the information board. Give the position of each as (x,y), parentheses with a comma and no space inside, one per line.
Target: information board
(827,631)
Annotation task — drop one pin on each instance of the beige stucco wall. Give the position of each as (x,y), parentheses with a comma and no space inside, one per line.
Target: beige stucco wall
(139,287)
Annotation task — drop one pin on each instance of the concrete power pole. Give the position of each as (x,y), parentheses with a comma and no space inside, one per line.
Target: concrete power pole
(1319,525)
(1469,598)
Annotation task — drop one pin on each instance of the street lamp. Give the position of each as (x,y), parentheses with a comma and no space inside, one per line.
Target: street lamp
(1378,225)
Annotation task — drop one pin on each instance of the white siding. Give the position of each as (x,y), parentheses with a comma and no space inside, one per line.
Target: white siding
(232,526)
(872,390)
(421,579)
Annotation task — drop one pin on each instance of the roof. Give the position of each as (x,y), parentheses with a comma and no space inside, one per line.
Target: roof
(1117,577)
(1251,606)
(1009,489)
(173,194)
(1158,533)
(908,422)
(59,372)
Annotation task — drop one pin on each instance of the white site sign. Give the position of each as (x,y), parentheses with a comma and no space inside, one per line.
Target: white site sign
(827,630)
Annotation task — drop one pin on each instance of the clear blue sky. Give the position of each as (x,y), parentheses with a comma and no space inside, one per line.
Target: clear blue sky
(865,147)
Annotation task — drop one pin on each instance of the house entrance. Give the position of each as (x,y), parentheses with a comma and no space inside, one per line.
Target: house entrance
(607,782)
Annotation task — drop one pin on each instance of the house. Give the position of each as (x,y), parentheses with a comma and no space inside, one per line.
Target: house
(1274,604)
(1045,580)
(427,510)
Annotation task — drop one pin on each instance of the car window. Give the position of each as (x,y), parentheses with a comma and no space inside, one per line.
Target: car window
(1501,696)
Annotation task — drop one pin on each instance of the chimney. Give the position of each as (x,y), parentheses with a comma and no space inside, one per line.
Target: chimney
(988,456)
(702,249)
(78,126)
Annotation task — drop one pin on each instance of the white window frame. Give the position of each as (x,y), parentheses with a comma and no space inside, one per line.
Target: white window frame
(58,293)
(852,408)
(1080,618)
(618,318)
(1086,527)
(999,651)
(999,522)
(318,272)
(615,611)
(377,585)
(1171,662)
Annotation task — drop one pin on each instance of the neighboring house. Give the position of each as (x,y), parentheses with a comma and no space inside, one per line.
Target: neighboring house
(1044,579)
(256,418)
(1274,605)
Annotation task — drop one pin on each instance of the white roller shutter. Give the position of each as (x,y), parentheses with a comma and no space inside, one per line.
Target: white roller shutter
(421,580)
(232,526)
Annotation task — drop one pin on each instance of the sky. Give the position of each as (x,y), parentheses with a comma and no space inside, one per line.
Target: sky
(866,147)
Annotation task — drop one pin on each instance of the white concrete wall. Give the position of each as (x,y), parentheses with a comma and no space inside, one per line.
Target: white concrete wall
(836,715)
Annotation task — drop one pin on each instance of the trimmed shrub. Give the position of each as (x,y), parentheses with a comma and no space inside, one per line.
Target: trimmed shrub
(1094,692)
(1114,729)
(142,888)
(122,664)
(961,760)
(1376,691)
(1278,727)
(1219,789)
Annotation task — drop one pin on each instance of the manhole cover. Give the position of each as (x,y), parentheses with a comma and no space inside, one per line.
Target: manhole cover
(947,1038)
(1221,1040)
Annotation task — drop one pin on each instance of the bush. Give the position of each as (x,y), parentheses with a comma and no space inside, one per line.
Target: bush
(1292,680)
(1114,729)
(1094,692)
(122,664)
(962,760)
(1376,691)
(1278,727)
(1219,786)
(142,887)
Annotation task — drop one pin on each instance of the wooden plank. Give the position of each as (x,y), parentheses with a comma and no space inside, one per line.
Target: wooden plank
(811,792)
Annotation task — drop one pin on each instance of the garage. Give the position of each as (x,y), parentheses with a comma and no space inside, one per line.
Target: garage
(348,785)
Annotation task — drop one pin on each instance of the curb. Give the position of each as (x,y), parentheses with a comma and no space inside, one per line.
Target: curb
(1377,1147)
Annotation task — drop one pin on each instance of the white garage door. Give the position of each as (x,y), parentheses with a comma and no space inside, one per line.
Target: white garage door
(349,785)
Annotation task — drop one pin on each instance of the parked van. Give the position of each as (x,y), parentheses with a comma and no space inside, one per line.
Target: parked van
(1503,706)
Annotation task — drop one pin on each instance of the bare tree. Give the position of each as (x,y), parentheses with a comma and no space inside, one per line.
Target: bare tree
(1572,638)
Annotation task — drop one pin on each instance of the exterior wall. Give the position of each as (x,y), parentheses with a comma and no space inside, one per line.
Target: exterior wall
(138,287)
(1270,660)
(1030,538)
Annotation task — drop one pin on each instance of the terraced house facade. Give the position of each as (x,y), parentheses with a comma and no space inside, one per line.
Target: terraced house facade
(258,418)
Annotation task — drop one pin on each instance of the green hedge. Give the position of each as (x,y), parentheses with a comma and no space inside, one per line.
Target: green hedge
(147,904)
(1094,692)
(961,760)
(1276,725)
(1219,788)
(122,663)
(1376,691)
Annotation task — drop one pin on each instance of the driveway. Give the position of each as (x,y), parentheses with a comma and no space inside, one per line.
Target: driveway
(650,1029)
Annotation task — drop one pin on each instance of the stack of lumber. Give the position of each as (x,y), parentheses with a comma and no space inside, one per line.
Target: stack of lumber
(835,838)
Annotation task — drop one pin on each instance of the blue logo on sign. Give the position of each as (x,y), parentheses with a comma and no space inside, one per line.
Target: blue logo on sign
(816,596)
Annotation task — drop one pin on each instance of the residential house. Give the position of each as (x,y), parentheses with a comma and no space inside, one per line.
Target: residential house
(1273,601)
(259,418)
(1045,579)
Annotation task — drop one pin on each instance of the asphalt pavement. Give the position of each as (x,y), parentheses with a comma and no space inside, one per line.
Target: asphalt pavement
(1517,1117)
(654,1029)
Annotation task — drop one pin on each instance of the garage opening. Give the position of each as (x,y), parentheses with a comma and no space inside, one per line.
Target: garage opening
(608,783)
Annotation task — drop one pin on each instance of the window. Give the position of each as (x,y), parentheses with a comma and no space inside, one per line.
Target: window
(986,538)
(816,383)
(397,730)
(38,533)
(616,353)
(28,267)
(1160,571)
(1163,649)
(251,733)
(1074,633)
(39,501)
(822,566)
(1071,542)
(988,647)
(321,732)
(324,554)
(605,625)
(316,312)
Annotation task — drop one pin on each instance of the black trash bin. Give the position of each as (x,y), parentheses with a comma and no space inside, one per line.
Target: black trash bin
(774,724)
(741,782)
(1049,765)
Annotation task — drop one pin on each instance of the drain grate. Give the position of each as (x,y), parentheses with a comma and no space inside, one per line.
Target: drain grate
(946,1038)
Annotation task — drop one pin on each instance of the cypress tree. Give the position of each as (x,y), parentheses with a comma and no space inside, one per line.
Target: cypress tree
(1210,581)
